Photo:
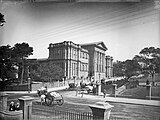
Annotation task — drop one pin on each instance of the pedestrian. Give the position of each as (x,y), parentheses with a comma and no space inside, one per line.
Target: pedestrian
(12,106)
(43,98)
(104,92)
(147,82)
(17,107)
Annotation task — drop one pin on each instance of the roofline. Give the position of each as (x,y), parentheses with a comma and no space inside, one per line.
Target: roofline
(94,43)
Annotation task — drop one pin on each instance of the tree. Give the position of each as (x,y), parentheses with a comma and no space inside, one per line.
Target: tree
(6,66)
(2,21)
(126,68)
(118,68)
(50,71)
(131,68)
(149,58)
(21,52)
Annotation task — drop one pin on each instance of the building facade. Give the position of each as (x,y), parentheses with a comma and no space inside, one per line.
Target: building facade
(70,57)
(96,59)
(109,66)
(82,60)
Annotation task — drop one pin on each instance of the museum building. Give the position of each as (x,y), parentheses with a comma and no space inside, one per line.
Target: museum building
(82,60)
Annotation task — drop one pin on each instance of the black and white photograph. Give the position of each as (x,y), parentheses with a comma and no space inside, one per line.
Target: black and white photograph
(79,59)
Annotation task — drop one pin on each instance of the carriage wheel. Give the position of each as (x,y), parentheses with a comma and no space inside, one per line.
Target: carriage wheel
(61,101)
(49,101)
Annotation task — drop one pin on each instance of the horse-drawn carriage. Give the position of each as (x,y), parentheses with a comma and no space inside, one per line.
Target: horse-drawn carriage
(50,98)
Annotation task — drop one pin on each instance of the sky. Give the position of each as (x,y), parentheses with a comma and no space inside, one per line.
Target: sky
(125,28)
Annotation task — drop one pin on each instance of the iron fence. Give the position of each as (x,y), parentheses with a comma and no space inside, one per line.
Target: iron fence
(52,114)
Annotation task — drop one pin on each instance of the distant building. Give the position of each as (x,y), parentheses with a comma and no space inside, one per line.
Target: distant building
(109,66)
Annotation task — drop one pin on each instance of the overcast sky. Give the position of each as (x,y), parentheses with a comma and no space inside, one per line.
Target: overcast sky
(125,28)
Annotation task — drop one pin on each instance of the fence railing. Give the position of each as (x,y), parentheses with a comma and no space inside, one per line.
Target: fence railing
(60,115)
(52,114)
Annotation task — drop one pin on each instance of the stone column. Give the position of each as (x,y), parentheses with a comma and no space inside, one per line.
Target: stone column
(114,87)
(101,110)
(148,88)
(26,106)
(3,97)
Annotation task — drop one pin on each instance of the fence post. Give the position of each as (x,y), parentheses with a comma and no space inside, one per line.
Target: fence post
(3,97)
(114,87)
(25,102)
(148,88)
(6,114)
(101,110)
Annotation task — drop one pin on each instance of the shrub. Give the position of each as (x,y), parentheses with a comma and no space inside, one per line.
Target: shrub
(72,85)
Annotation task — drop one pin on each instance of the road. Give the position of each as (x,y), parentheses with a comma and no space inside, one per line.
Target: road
(80,104)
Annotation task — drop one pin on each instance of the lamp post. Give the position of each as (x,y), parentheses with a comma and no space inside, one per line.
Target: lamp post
(99,77)
(29,80)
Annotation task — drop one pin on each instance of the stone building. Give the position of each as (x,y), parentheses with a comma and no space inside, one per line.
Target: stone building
(81,60)
(109,66)
(96,59)
(71,57)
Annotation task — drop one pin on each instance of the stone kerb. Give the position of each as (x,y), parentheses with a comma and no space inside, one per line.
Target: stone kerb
(25,103)
(101,110)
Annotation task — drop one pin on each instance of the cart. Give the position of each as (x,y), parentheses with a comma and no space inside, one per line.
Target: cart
(54,98)
(51,97)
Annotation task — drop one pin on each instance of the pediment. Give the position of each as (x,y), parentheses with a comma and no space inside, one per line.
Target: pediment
(102,45)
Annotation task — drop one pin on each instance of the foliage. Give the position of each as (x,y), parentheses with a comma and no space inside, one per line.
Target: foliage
(2,21)
(7,66)
(126,68)
(118,68)
(49,71)
(11,59)
(21,52)
(149,58)
(6,63)
(132,68)
(72,85)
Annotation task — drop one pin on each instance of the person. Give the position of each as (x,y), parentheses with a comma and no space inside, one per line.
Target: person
(43,98)
(104,92)
(17,107)
(12,106)
(147,82)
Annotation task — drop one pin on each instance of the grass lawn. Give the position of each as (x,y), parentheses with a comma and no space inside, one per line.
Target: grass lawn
(141,93)
(143,80)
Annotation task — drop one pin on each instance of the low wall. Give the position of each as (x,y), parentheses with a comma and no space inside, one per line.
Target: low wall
(11,115)
(23,87)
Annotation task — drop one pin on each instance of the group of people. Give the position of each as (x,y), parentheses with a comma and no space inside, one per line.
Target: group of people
(43,93)
(14,107)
